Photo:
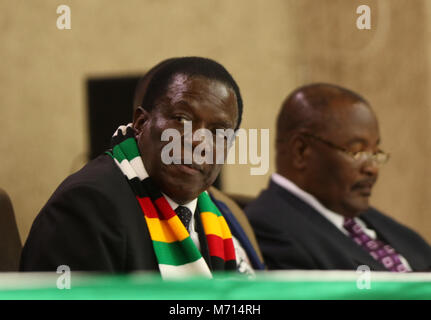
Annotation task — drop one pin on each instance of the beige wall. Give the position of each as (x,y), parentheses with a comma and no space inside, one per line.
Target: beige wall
(270,47)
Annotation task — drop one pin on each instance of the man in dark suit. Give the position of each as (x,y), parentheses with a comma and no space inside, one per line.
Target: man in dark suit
(98,220)
(315,213)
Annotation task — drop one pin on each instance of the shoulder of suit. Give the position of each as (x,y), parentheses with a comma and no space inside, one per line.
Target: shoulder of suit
(219,195)
(100,177)
(100,172)
(374,215)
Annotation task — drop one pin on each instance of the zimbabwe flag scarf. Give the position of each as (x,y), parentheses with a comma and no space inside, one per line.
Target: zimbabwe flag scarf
(176,253)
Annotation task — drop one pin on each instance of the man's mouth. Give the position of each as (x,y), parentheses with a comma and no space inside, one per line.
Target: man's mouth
(192,168)
(364,187)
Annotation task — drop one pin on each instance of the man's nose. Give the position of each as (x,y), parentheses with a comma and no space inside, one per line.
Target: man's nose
(370,167)
(192,140)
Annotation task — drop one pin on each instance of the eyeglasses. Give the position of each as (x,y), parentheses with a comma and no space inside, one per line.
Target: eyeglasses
(378,157)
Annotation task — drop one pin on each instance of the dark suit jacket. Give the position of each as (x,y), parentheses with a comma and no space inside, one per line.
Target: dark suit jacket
(293,235)
(92,222)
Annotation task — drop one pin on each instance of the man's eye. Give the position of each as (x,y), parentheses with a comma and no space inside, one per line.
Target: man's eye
(358,155)
(362,151)
(181,119)
(356,149)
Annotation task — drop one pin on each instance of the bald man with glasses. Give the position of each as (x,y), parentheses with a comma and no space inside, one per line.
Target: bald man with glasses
(315,213)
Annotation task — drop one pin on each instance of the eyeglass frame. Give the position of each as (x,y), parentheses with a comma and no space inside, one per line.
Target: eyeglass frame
(356,156)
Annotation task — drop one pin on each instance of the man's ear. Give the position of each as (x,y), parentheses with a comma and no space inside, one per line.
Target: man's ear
(300,150)
(140,117)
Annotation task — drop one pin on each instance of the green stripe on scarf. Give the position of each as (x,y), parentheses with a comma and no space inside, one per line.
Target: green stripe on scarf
(176,253)
(126,150)
(206,204)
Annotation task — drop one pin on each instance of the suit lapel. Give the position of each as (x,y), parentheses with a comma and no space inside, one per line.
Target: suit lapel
(326,228)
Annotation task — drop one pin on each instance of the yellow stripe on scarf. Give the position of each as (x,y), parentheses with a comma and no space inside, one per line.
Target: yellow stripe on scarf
(167,230)
(215,225)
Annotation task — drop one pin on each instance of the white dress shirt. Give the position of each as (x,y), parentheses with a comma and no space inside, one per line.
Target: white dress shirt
(335,218)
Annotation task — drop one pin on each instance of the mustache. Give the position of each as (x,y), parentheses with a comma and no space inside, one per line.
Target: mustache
(192,165)
(368,182)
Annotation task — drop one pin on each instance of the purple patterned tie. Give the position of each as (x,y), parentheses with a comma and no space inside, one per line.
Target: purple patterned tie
(379,250)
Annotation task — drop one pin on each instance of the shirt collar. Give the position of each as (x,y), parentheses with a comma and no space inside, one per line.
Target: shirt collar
(190,205)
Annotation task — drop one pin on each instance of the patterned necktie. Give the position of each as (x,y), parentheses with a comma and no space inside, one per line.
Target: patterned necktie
(185,215)
(379,250)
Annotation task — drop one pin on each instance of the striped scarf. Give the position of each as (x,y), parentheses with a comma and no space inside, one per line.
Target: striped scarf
(176,253)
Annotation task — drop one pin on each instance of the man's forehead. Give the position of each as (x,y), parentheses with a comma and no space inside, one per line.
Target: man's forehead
(177,84)
(184,83)
(349,110)
(353,121)
(187,92)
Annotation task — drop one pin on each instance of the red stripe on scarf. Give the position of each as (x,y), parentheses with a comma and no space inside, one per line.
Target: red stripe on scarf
(165,209)
(229,250)
(147,207)
(215,246)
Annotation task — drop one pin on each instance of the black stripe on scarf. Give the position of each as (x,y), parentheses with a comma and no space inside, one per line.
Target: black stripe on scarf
(151,189)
